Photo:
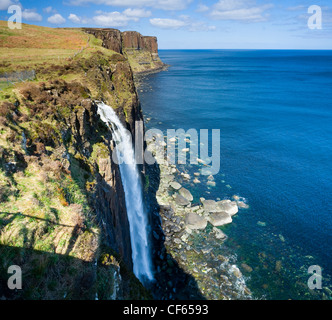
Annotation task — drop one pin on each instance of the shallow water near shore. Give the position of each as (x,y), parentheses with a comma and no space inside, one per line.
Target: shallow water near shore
(273,109)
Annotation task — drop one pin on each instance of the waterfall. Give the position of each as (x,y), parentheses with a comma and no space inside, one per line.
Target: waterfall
(137,217)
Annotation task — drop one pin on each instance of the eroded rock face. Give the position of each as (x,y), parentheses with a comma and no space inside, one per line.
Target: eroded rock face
(150,44)
(132,40)
(112,38)
(109,198)
(118,41)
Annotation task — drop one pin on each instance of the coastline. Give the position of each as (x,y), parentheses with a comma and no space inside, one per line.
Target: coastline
(164,67)
(190,238)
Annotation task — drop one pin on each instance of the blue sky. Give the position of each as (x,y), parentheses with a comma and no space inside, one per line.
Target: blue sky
(192,24)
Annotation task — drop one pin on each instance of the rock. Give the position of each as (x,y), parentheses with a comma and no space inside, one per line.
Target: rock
(195,221)
(196,181)
(185,176)
(242,205)
(197,174)
(236,271)
(218,233)
(278,266)
(210,206)
(228,206)
(184,237)
(206,250)
(167,178)
(211,183)
(246,267)
(210,177)
(261,223)
(281,237)
(177,241)
(181,201)
(218,219)
(155,235)
(175,185)
(186,194)
(195,208)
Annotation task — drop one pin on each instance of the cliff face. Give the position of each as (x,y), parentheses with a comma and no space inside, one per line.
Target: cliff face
(62,205)
(141,51)
(112,38)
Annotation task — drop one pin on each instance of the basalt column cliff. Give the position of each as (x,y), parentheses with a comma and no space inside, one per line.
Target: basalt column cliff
(141,51)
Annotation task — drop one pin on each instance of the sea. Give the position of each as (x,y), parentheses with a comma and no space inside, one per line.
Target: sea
(274,112)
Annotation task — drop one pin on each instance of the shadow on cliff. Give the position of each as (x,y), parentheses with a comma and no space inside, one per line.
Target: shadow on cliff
(172,282)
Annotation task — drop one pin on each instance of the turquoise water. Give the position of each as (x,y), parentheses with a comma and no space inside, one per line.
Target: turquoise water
(273,109)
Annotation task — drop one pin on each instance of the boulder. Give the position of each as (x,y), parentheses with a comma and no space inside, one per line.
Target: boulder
(211,183)
(185,176)
(242,204)
(175,185)
(195,221)
(186,194)
(218,233)
(218,219)
(181,201)
(228,206)
(210,206)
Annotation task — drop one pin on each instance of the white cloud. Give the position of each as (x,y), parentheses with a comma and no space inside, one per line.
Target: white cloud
(49,10)
(202,8)
(137,13)
(113,19)
(78,20)
(240,10)
(31,15)
(184,21)
(74,18)
(160,4)
(4,4)
(56,19)
(167,23)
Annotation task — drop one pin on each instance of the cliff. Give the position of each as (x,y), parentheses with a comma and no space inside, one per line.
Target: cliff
(141,51)
(63,217)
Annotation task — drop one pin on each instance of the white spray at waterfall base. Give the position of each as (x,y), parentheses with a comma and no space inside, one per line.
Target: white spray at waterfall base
(137,216)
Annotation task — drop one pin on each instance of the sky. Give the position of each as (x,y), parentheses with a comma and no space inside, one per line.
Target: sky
(193,24)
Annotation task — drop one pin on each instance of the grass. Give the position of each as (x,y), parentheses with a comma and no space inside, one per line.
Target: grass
(33,44)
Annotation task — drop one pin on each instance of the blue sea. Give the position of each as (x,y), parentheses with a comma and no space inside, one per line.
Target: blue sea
(274,112)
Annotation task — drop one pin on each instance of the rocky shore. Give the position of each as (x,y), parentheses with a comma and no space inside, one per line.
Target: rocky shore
(192,234)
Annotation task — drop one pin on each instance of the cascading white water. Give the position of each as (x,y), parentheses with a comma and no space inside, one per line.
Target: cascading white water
(138,221)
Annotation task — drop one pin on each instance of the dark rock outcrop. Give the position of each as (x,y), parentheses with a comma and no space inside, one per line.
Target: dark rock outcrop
(111,38)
